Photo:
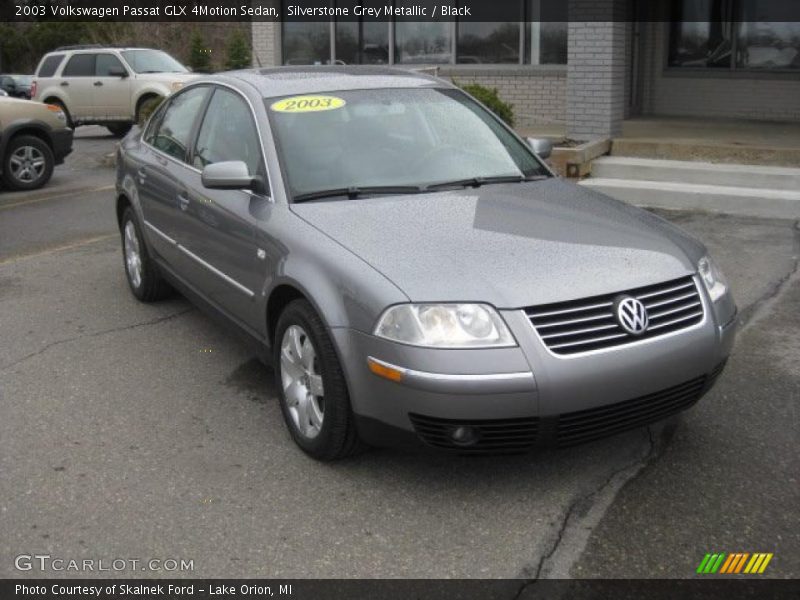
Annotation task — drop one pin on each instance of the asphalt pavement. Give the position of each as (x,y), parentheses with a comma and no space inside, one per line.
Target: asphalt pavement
(150,431)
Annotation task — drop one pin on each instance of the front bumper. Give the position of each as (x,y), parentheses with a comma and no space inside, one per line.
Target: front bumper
(516,398)
(62,144)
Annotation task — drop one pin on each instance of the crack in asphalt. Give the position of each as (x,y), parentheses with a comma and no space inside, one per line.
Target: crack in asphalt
(750,314)
(649,455)
(47,347)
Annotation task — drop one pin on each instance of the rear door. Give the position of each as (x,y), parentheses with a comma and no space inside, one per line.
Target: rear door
(220,229)
(162,170)
(112,98)
(77,80)
(45,74)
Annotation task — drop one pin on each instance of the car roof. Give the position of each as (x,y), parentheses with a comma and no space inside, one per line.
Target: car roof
(282,81)
(96,49)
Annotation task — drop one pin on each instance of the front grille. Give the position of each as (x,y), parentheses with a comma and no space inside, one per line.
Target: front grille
(585,425)
(590,323)
(491,435)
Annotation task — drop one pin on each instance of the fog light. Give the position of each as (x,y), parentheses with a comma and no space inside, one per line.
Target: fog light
(464,435)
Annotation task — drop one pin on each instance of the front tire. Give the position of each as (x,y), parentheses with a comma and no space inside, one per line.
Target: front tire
(28,163)
(141,271)
(311,387)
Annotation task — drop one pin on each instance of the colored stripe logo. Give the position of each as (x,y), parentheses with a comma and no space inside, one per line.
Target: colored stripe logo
(734,563)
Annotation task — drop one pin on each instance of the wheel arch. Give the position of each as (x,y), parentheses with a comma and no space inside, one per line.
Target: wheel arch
(122,203)
(144,96)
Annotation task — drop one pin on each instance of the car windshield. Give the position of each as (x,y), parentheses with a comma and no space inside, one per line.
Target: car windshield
(393,141)
(22,79)
(152,61)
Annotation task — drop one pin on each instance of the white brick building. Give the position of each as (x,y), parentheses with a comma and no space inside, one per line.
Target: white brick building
(618,58)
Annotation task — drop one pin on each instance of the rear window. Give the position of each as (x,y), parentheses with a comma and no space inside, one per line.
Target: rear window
(49,65)
(80,65)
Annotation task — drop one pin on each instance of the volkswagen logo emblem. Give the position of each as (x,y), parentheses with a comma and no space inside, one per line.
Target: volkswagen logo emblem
(631,315)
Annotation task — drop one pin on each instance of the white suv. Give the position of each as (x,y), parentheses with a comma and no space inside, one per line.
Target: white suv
(106,86)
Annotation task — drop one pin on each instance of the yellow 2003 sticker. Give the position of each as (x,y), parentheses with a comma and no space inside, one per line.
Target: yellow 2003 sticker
(299,104)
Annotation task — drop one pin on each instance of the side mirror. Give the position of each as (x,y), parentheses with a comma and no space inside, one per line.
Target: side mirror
(228,175)
(542,147)
(117,72)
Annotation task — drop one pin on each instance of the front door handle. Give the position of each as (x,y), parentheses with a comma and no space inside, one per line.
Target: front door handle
(98,83)
(142,175)
(183,201)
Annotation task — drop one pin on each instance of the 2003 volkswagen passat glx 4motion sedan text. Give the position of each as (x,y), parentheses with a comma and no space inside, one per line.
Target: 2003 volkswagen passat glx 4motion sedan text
(413,268)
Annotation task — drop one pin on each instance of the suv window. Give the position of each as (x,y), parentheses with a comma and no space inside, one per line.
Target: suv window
(106,62)
(175,127)
(80,65)
(49,65)
(228,132)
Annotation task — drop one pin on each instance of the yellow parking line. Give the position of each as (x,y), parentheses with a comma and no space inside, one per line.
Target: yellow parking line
(70,246)
(104,188)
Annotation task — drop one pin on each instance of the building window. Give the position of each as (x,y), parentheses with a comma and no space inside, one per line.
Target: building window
(704,34)
(497,43)
(362,42)
(306,43)
(423,42)
(538,38)
(546,32)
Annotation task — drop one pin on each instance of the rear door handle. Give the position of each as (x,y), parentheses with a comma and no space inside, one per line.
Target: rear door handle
(183,201)
(142,175)
(64,83)
(98,83)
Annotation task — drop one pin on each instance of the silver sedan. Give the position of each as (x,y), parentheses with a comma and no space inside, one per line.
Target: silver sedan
(411,268)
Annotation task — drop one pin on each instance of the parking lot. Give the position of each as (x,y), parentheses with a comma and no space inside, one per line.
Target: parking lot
(149,431)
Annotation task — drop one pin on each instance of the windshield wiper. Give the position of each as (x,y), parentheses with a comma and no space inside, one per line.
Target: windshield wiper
(355,192)
(479,181)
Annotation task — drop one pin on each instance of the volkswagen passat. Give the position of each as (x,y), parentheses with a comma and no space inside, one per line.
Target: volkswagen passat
(412,267)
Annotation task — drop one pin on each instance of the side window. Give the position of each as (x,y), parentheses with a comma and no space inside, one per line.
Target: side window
(172,133)
(49,65)
(228,132)
(153,123)
(106,62)
(80,65)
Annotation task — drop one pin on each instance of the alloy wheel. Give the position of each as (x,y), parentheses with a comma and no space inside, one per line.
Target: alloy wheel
(27,164)
(302,381)
(133,257)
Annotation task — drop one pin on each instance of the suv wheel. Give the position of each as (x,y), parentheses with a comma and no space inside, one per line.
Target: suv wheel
(63,108)
(28,163)
(142,273)
(119,129)
(311,386)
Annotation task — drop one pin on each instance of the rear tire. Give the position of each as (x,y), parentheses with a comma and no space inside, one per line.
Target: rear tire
(141,270)
(28,163)
(119,130)
(311,387)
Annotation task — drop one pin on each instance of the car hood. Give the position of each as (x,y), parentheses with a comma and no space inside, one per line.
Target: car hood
(511,245)
(13,109)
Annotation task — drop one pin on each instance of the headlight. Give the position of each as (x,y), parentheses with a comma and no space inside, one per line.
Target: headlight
(712,277)
(445,326)
(175,86)
(56,110)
